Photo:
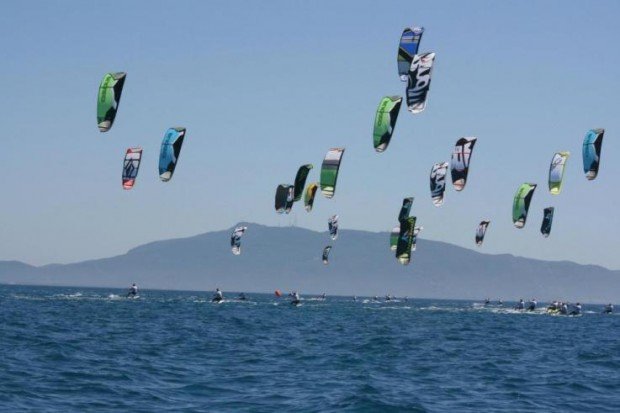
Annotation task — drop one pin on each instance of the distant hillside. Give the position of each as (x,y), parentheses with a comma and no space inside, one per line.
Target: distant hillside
(361,263)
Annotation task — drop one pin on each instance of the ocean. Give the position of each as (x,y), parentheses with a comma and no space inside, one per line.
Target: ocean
(83,349)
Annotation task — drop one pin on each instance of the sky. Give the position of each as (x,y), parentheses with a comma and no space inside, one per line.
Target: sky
(264,87)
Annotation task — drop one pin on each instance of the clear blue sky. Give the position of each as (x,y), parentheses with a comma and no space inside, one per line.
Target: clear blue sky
(264,87)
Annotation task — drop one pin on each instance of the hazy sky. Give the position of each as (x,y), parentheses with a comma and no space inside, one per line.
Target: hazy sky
(263,87)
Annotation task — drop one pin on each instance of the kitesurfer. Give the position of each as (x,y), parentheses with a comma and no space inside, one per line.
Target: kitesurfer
(576,310)
(133,290)
(500,302)
(564,308)
(218,296)
(388,298)
(520,305)
(554,307)
(323,296)
(295,298)
(531,305)
(487,302)
(609,308)
(242,297)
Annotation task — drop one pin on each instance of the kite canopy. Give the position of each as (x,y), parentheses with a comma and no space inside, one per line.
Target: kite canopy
(329,171)
(170,151)
(385,121)
(408,47)
(405,241)
(326,251)
(556,172)
(309,196)
(419,81)
(284,198)
(459,164)
(481,231)
(521,204)
(438,182)
(300,180)
(592,145)
(396,234)
(131,165)
(545,228)
(405,209)
(109,98)
(235,239)
(332,224)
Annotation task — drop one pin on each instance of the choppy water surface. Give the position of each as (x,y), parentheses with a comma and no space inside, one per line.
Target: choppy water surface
(79,349)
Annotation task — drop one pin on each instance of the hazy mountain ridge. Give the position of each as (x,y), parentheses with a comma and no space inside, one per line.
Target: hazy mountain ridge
(360,263)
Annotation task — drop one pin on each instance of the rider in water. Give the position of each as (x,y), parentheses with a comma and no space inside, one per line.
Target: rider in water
(531,306)
(487,302)
(218,296)
(296,299)
(242,296)
(520,305)
(133,290)
(554,307)
(609,308)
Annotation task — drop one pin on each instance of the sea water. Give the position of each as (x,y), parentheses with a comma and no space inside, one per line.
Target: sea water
(81,349)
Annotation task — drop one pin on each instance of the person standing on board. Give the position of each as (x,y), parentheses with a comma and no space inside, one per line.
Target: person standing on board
(531,306)
(133,290)
(218,296)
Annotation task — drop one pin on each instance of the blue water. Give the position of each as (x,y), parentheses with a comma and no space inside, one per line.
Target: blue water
(79,349)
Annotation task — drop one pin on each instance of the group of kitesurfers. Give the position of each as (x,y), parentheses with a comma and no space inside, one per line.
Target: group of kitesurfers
(556,307)
(219,296)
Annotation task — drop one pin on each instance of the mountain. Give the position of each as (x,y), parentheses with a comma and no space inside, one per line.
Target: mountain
(361,263)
